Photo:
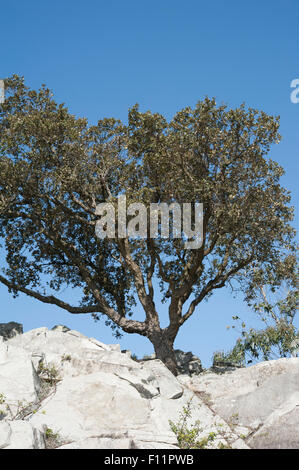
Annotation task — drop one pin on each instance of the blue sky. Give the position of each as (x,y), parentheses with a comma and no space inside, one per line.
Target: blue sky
(100,58)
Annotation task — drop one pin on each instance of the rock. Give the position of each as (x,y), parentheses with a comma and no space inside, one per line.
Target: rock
(162,379)
(61,328)
(187,363)
(280,430)
(109,442)
(19,382)
(11,329)
(143,386)
(5,434)
(20,435)
(73,354)
(103,398)
(263,398)
(3,350)
(99,344)
(92,395)
(127,352)
(102,409)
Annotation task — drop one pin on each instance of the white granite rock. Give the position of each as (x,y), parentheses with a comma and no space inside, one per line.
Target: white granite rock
(93,396)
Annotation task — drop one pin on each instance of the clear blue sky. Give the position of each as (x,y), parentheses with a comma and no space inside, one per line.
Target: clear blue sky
(100,58)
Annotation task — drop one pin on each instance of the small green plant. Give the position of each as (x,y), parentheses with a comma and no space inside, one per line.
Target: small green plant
(223,446)
(49,434)
(52,439)
(2,402)
(48,373)
(234,419)
(21,410)
(188,438)
(66,357)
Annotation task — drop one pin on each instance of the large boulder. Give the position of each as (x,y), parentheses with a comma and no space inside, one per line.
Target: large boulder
(113,410)
(20,435)
(59,388)
(102,398)
(19,382)
(261,401)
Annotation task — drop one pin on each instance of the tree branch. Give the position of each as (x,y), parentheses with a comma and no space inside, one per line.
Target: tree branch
(216,283)
(50,299)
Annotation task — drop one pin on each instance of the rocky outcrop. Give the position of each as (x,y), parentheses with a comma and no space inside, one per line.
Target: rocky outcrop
(260,402)
(20,435)
(11,329)
(187,362)
(61,389)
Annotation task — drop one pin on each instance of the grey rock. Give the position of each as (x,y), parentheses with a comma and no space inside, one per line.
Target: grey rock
(103,399)
(163,379)
(20,435)
(5,434)
(264,399)
(281,431)
(187,362)
(62,328)
(106,400)
(11,329)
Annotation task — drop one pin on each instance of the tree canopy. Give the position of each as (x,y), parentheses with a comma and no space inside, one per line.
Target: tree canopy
(55,169)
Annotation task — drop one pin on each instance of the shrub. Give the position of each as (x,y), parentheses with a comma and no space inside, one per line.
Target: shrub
(188,438)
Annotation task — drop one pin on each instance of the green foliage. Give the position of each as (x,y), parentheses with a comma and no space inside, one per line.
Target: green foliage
(2,402)
(188,437)
(279,337)
(50,434)
(271,342)
(52,439)
(66,357)
(20,410)
(55,169)
(48,373)
(233,357)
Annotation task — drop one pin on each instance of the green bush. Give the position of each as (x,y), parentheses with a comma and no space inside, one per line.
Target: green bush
(188,438)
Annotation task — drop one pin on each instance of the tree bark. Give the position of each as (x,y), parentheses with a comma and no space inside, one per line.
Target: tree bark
(163,346)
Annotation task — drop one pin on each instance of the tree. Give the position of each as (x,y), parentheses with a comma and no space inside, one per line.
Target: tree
(276,308)
(56,170)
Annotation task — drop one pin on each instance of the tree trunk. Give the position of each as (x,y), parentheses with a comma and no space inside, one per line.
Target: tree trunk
(163,346)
